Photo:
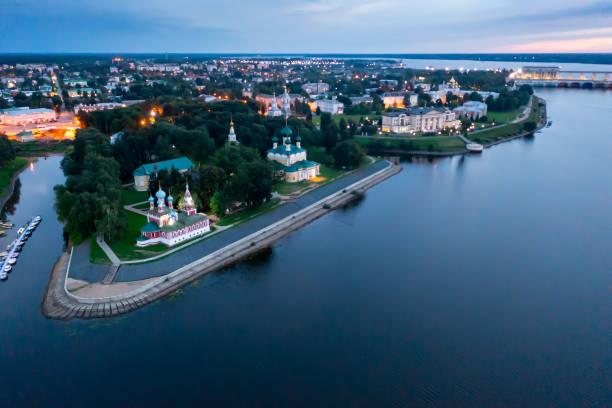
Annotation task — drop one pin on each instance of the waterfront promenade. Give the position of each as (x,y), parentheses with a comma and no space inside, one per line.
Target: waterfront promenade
(69,294)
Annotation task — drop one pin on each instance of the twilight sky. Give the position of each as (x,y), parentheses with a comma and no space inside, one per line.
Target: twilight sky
(306,26)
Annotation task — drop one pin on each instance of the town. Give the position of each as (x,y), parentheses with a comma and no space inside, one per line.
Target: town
(165,153)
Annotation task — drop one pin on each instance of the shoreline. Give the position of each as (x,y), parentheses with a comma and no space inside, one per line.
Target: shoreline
(14,178)
(59,303)
(383,151)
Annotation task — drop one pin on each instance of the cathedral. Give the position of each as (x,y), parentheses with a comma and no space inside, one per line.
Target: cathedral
(290,160)
(169,226)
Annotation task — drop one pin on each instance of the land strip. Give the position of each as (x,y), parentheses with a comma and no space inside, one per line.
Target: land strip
(61,303)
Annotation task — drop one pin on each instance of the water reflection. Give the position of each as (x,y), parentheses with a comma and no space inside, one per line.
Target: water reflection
(11,203)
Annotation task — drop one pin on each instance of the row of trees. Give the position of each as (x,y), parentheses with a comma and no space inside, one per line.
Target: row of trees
(90,200)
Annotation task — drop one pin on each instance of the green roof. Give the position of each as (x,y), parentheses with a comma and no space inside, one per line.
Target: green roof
(282,149)
(181,164)
(184,220)
(150,227)
(286,131)
(304,164)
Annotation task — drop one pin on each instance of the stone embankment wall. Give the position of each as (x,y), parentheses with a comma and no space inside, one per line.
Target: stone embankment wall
(59,303)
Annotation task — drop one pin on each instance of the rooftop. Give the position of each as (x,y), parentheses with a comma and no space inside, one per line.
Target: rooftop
(181,164)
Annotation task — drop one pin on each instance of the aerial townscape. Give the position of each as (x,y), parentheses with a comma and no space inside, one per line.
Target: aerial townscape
(250,204)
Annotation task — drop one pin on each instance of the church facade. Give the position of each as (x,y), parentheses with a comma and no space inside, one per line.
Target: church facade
(290,160)
(168,226)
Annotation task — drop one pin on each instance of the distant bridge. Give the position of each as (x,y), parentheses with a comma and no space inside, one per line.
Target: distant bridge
(555,77)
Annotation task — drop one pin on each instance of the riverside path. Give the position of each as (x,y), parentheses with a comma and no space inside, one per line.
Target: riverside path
(82,269)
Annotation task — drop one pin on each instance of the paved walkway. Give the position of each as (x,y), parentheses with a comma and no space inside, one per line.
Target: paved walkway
(82,269)
(108,251)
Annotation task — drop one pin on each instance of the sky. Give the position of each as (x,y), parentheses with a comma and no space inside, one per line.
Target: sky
(305,26)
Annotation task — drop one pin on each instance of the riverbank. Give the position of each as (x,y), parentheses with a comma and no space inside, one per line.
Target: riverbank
(441,146)
(92,300)
(8,176)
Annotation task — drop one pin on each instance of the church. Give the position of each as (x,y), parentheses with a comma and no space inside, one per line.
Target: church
(290,160)
(169,226)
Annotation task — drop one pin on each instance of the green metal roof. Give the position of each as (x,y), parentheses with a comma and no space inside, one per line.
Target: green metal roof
(301,165)
(150,227)
(282,149)
(286,131)
(182,163)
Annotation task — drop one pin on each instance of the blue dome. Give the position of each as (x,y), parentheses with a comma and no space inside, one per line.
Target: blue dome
(151,199)
(170,198)
(298,138)
(161,194)
(274,139)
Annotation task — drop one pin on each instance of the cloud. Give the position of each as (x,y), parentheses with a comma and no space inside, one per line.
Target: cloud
(600,9)
(594,44)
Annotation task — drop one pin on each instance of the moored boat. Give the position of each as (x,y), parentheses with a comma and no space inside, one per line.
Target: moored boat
(12,261)
(3,275)
(7,268)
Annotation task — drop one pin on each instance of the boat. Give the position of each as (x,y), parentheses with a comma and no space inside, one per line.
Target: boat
(20,230)
(549,123)
(16,254)
(7,268)
(3,275)
(6,225)
(12,261)
(474,147)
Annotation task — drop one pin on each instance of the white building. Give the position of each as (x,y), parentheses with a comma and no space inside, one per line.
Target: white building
(327,105)
(419,120)
(472,110)
(23,116)
(315,88)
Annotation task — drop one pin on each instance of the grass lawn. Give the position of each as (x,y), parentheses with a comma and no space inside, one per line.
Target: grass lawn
(316,120)
(425,143)
(498,133)
(43,146)
(8,170)
(248,214)
(96,254)
(503,117)
(130,196)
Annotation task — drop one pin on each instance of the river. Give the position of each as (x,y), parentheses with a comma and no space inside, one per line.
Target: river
(483,280)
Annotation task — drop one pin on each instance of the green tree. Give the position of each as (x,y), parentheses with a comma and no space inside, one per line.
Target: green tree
(218,204)
(348,154)
(252,183)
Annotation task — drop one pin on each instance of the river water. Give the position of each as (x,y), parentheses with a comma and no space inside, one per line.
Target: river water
(467,281)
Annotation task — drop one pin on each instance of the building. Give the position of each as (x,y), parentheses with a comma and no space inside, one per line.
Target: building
(419,120)
(396,99)
(274,110)
(315,88)
(24,116)
(143,173)
(356,100)
(77,92)
(169,226)
(231,136)
(327,105)
(98,106)
(290,160)
(472,110)
(71,83)
(538,72)
(286,104)
(24,137)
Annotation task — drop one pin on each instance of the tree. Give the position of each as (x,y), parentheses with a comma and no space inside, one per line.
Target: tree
(252,183)
(348,154)
(7,151)
(530,126)
(465,124)
(218,204)
(210,180)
